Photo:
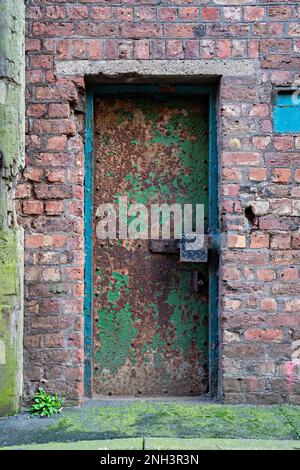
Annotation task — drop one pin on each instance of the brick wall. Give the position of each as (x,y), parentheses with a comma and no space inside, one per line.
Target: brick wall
(259,180)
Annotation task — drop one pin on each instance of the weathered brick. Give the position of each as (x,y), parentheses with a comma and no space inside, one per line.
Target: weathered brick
(174,49)
(33,207)
(78,12)
(236,241)
(266,275)
(168,14)
(281,175)
(188,13)
(54,207)
(241,158)
(260,240)
(258,174)
(268,304)
(263,335)
(210,13)
(101,13)
(252,13)
(56,142)
(142,49)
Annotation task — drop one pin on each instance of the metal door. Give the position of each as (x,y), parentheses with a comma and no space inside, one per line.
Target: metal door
(150,310)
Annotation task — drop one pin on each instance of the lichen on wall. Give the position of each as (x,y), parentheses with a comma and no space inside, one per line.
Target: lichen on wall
(12,119)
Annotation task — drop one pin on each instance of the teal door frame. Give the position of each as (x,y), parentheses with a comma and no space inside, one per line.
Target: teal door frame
(208,91)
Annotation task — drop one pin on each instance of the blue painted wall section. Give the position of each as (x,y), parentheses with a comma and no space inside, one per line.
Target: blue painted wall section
(287,112)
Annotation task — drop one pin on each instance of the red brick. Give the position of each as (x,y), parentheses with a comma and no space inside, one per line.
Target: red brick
(268,304)
(223,48)
(263,335)
(266,275)
(54,207)
(33,207)
(44,191)
(145,13)
(54,340)
(33,174)
(42,62)
(281,175)
(281,241)
(241,158)
(258,174)
(191,49)
(140,30)
(276,46)
(290,274)
(260,110)
(267,29)
(56,176)
(280,12)
(294,29)
(123,14)
(75,273)
(188,13)
(210,14)
(56,142)
(280,62)
(93,49)
(254,13)
(52,29)
(174,49)
(101,13)
(142,49)
(36,110)
(56,12)
(283,142)
(51,274)
(231,274)
(59,110)
(78,12)
(168,14)
(34,13)
(54,126)
(110,49)
(260,240)
(126,49)
(32,45)
(236,241)
(23,191)
(182,30)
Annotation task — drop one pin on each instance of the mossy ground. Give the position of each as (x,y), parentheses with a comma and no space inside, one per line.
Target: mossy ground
(136,419)
(166,443)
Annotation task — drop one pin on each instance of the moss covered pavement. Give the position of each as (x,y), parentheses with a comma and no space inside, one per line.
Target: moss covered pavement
(153,424)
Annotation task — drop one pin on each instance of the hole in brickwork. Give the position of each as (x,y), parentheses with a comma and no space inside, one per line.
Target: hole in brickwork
(249,214)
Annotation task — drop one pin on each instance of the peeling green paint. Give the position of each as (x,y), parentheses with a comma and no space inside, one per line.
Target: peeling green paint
(185,312)
(11,331)
(116,323)
(12,131)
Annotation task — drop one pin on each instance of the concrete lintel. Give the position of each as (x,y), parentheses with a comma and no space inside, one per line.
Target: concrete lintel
(157,68)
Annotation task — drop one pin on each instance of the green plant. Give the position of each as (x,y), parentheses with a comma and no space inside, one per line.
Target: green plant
(45,404)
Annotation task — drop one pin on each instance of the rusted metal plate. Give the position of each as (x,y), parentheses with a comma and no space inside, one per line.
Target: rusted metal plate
(150,310)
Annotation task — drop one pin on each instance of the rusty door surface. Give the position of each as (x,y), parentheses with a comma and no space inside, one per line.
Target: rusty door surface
(150,311)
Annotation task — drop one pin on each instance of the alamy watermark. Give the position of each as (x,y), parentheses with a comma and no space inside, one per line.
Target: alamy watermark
(124,220)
